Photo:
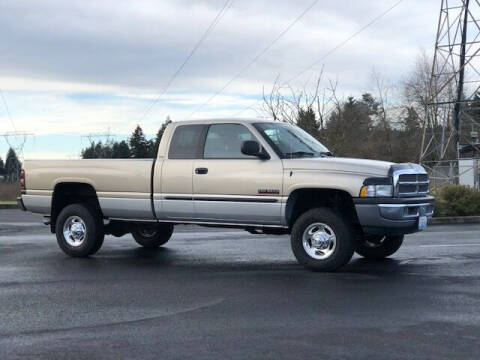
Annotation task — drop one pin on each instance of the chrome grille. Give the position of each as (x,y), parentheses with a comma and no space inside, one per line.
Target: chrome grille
(410,185)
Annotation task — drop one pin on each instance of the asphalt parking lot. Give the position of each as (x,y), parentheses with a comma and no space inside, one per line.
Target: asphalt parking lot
(227,294)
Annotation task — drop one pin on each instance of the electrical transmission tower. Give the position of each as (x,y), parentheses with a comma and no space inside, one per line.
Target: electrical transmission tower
(16,140)
(105,138)
(453,109)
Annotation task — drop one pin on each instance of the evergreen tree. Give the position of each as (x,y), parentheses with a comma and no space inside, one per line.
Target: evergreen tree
(306,119)
(139,145)
(12,166)
(89,152)
(120,150)
(97,151)
(2,167)
(159,136)
(349,129)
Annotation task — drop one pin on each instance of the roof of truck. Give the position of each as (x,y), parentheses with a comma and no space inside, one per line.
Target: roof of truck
(224,120)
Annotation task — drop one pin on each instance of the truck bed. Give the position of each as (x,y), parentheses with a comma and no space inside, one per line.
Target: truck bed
(122,185)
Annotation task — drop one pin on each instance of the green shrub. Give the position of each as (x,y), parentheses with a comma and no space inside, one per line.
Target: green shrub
(455,200)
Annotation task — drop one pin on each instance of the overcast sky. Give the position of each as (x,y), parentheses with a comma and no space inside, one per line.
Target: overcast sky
(70,68)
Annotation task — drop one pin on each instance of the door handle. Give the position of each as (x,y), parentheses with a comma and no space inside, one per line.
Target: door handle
(201,171)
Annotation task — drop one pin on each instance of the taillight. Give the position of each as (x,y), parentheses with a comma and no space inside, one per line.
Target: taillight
(22,180)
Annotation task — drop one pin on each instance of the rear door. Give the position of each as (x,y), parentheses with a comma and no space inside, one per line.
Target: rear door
(176,187)
(231,187)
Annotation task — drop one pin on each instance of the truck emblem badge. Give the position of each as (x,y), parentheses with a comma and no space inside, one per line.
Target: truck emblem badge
(268,191)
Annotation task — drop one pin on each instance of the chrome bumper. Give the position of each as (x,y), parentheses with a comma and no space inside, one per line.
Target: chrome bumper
(393,216)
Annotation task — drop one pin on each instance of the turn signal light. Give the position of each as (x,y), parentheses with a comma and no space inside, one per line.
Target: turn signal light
(363,191)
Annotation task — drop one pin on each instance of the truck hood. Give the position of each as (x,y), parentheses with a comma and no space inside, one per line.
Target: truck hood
(341,165)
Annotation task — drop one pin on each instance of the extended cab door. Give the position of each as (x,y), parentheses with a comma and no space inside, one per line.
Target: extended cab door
(173,195)
(231,187)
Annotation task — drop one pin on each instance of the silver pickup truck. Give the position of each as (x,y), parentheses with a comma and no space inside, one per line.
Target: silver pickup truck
(264,177)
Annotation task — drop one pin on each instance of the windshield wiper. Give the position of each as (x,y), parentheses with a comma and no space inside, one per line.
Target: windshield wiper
(299,154)
(326,153)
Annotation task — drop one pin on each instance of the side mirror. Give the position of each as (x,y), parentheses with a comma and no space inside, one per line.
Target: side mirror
(253,148)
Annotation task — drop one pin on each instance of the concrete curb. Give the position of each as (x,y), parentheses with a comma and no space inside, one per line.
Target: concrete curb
(455,220)
(8,206)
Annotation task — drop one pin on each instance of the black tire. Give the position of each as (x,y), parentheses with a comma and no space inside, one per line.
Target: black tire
(150,236)
(340,254)
(92,223)
(377,247)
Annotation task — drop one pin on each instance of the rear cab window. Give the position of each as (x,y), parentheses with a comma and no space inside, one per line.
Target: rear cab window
(187,141)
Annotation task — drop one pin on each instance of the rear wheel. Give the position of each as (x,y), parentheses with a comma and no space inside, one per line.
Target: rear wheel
(79,230)
(378,246)
(322,240)
(150,236)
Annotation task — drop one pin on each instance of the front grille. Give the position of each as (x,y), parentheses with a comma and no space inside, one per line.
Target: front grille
(410,185)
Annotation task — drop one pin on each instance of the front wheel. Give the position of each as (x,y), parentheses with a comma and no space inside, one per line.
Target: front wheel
(322,240)
(154,236)
(377,246)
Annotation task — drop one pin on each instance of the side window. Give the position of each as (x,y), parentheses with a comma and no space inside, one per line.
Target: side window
(224,141)
(186,142)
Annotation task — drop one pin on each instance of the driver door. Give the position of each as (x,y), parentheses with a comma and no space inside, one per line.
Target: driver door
(231,187)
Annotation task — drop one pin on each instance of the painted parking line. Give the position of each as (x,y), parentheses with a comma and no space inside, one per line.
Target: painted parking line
(449,245)
(21,224)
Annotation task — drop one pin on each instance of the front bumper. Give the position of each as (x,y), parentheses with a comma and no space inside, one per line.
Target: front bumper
(392,216)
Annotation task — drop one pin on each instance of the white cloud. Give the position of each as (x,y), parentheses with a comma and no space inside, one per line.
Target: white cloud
(86,66)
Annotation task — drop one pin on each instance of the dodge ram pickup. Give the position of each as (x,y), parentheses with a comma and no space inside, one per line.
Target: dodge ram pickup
(264,177)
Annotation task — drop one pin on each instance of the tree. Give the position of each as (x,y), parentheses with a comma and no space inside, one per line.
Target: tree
(350,129)
(12,166)
(98,151)
(2,167)
(306,119)
(139,146)
(120,150)
(409,137)
(159,136)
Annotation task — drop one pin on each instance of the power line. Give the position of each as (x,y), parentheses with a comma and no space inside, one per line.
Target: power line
(344,42)
(209,29)
(7,110)
(258,56)
(331,51)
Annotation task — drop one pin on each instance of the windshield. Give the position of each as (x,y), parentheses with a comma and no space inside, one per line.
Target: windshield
(289,141)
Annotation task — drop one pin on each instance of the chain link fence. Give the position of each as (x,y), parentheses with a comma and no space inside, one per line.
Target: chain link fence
(459,172)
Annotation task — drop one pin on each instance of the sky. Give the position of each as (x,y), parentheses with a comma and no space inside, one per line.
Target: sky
(73,68)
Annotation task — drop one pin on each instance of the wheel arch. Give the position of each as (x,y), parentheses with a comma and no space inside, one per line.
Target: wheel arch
(67,193)
(304,199)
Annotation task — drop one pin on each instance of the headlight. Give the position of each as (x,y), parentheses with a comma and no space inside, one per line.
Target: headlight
(377,187)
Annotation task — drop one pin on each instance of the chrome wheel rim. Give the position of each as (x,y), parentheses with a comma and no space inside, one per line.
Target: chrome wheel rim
(74,231)
(147,232)
(319,241)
